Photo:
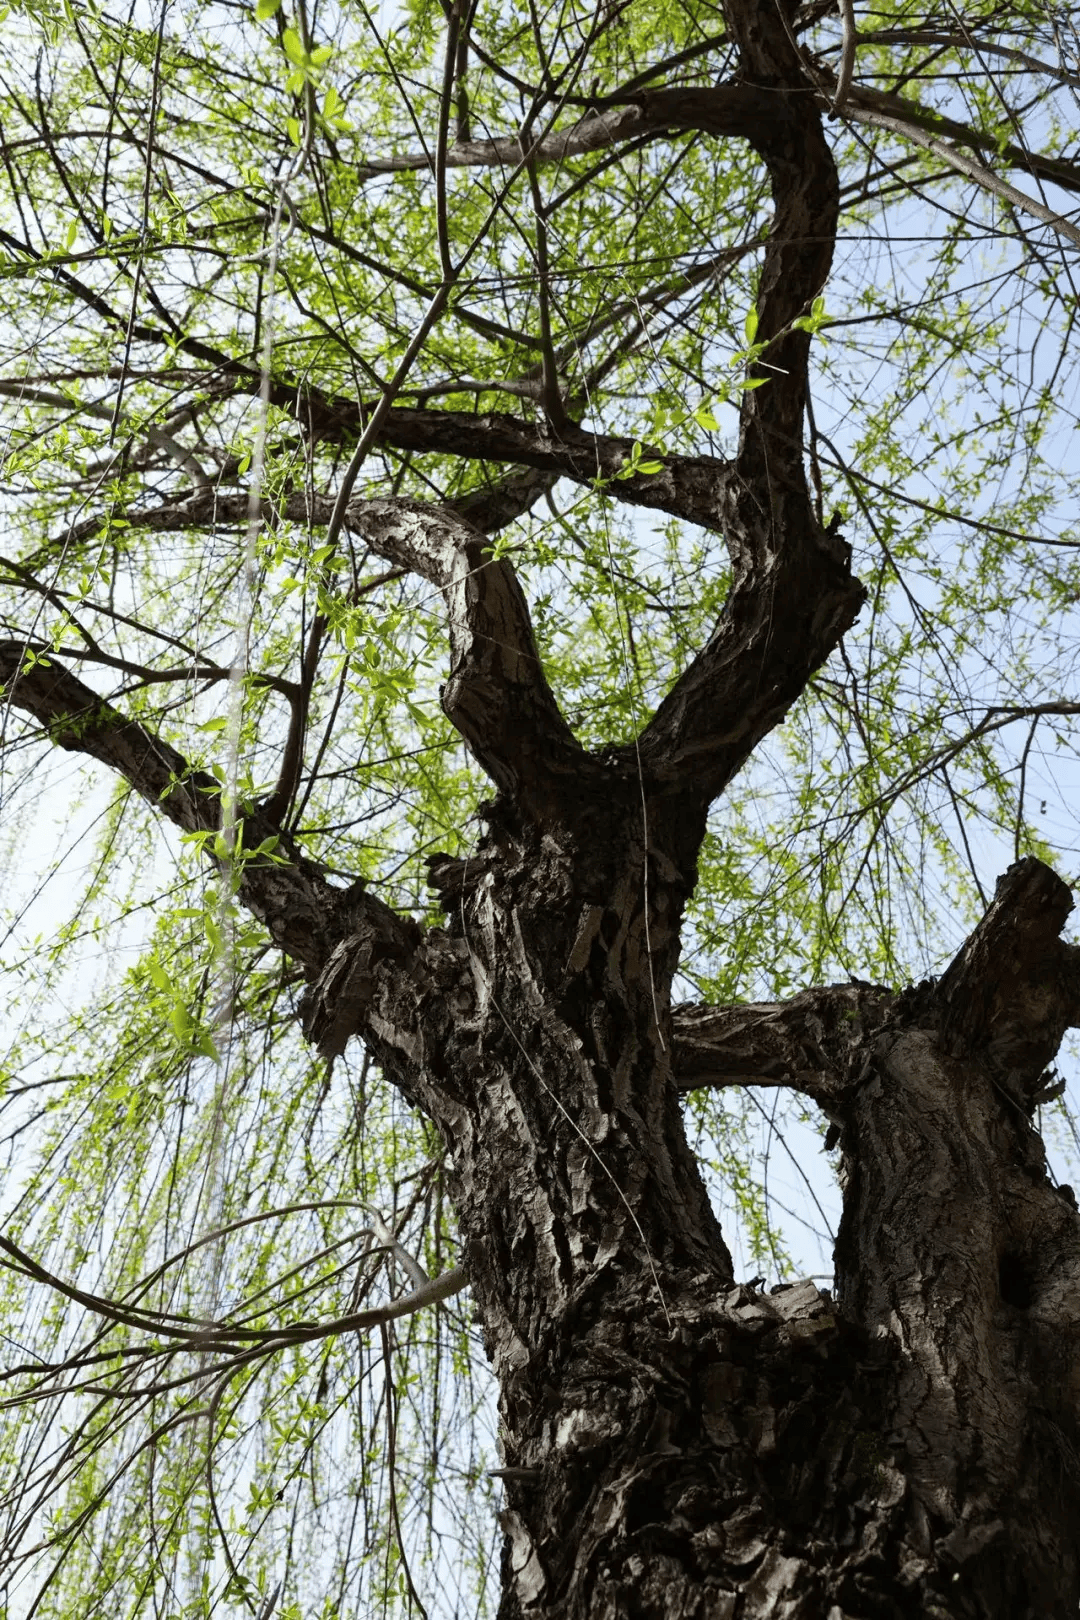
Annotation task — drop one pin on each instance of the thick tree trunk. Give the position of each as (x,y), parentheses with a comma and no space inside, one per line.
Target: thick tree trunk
(676,1445)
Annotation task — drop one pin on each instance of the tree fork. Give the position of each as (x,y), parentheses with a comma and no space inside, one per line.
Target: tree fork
(693,1448)
(675,1444)
(910,1448)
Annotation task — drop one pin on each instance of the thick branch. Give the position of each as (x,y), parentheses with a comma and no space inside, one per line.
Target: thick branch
(490,507)
(688,487)
(496,505)
(1007,999)
(736,108)
(305,916)
(497,694)
(792,595)
(814,1043)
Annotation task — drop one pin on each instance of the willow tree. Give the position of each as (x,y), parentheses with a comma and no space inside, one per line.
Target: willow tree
(540,543)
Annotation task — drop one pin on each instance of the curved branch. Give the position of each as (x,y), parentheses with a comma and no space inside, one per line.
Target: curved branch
(304,915)
(792,595)
(277,806)
(727,105)
(688,487)
(497,695)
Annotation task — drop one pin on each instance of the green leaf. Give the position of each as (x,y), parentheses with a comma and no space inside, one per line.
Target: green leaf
(293,46)
(158,974)
(750,325)
(204,1045)
(264,9)
(180,1021)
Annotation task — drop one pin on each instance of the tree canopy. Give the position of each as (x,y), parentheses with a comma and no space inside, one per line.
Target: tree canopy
(378,391)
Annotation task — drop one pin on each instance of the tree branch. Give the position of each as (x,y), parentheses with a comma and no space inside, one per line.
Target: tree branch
(907,126)
(277,806)
(809,1043)
(1014,988)
(1007,997)
(885,110)
(185,458)
(497,694)
(304,915)
(726,109)
(688,487)
(792,593)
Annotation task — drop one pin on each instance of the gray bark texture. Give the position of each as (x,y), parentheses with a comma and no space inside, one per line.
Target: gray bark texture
(677,1445)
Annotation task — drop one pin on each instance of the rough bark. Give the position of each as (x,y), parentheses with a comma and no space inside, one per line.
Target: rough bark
(677,1445)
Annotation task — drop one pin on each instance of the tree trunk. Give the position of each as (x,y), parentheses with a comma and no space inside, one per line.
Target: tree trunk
(676,1445)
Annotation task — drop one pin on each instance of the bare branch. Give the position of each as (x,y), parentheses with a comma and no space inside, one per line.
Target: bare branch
(304,914)
(203,1336)
(792,594)
(688,487)
(1010,993)
(808,1043)
(497,694)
